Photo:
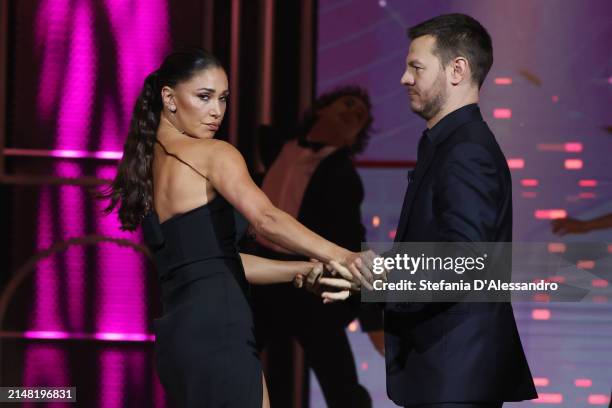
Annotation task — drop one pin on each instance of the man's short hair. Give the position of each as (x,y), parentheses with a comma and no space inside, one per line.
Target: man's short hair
(459,35)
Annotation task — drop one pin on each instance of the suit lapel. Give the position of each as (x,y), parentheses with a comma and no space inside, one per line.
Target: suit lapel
(417,176)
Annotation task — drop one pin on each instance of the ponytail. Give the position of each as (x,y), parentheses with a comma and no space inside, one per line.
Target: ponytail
(132,188)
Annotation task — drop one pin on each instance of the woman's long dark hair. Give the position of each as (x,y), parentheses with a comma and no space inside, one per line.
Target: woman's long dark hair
(132,188)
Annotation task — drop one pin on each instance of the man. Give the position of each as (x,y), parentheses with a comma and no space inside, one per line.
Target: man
(454,354)
(314,179)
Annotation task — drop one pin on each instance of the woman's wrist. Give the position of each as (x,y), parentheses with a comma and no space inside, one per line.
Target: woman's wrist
(340,255)
(305,268)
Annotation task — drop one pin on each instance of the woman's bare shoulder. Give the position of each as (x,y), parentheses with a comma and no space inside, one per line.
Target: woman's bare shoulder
(203,152)
(214,152)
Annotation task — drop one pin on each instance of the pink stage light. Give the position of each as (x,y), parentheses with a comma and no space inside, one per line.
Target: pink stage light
(136,337)
(516,163)
(529,194)
(364,366)
(552,214)
(503,81)
(529,182)
(556,247)
(583,382)
(392,234)
(548,399)
(573,164)
(587,183)
(600,299)
(68,40)
(556,278)
(598,399)
(585,264)
(376,221)
(78,154)
(573,147)
(45,365)
(555,98)
(600,283)
(542,298)
(502,113)
(540,314)
(122,297)
(64,335)
(586,195)
(46,335)
(541,381)
(570,147)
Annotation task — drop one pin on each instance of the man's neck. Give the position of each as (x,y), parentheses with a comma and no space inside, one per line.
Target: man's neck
(451,106)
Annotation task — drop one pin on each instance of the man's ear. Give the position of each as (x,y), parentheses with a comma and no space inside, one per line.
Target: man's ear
(459,70)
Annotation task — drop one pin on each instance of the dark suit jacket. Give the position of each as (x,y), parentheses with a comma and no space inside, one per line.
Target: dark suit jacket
(456,352)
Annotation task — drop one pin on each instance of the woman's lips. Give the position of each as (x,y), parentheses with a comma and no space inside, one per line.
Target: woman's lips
(212,126)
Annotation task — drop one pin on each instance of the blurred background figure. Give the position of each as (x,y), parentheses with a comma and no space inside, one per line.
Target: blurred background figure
(314,179)
(564,226)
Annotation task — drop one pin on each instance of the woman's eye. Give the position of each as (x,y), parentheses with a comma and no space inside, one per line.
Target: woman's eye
(204,97)
(223,98)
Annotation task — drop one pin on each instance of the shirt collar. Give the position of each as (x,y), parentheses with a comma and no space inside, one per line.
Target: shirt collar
(446,125)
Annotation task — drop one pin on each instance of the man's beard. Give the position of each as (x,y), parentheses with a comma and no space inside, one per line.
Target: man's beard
(432,106)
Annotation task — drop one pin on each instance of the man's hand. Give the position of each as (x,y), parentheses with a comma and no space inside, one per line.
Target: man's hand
(359,265)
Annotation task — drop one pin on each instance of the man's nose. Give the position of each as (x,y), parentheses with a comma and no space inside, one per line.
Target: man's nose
(407,78)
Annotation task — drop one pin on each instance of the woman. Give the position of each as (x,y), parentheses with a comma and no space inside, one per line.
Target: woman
(187,184)
(313,178)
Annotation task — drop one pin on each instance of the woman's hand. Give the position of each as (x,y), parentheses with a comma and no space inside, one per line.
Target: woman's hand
(331,283)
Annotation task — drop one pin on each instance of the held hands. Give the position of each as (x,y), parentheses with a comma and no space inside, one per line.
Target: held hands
(337,279)
(328,282)
(360,266)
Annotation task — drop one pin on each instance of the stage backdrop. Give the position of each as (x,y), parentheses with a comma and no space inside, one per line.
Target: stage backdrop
(547,99)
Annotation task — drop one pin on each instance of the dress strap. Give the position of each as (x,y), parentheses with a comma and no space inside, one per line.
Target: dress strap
(179,159)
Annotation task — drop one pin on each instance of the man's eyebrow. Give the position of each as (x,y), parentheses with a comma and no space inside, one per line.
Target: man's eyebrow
(413,62)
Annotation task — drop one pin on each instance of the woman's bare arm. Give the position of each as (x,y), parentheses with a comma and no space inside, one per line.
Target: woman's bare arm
(263,271)
(225,168)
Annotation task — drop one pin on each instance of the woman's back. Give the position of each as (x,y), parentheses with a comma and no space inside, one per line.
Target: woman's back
(177,185)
